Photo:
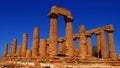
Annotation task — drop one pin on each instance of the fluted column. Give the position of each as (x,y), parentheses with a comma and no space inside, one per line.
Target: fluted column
(98,41)
(82,42)
(103,45)
(53,46)
(14,47)
(24,44)
(19,51)
(43,48)
(89,46)
(111,45)
(35,43)
(5,52)
(69,37)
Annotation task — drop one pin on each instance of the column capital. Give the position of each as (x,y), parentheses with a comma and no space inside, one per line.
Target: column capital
(110,31)
(88,35)
(53,15)
(68,19)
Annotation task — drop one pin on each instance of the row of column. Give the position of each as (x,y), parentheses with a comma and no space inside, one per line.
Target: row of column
(85,45)
(38,49)
(66,48)
(101,45)
(85,48)
(54,36)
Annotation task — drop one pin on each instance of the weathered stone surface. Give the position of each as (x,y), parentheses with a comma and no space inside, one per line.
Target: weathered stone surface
(19,51)
(111,46)
(62,48)
(60,11)
(14,47)
(53,46)
(35,43)
(24,44)
(43,48)
(103,45)
(5,52)
(89,46)
(69,38)
(82,42)
(28,54)
(98,44)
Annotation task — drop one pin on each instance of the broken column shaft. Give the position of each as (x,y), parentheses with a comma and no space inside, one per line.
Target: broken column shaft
(24,44)
(5,52)
(43,48)
(35,43)
(14,47)
(19,51)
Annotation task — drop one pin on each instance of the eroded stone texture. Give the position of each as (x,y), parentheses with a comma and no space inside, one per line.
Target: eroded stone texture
(43,48)
(35,43)
(89,46)
(53,46)
(28,54)
(19,51)
(62,48)
(103,45)
(98,44)
(111,46)
(82,42)
(14,47)
(60,11)
(5,52)
(69,38)
(24,44)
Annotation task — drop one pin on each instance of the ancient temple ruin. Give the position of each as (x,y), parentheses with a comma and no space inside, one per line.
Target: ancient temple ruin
(46,50)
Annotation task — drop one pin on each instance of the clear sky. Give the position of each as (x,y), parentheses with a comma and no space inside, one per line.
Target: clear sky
(21,16)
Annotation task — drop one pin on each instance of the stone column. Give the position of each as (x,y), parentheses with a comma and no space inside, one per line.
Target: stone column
(35,43)
(24,44)
(89,46)
(82,42)
(19,51)
(5,52)
(98,44)
(14,47)
(43,48)
(28,53)
(111,45)
(103,45)
(53,46)
(69,37)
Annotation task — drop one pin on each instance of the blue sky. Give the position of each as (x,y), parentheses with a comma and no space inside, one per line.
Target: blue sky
(21,16)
